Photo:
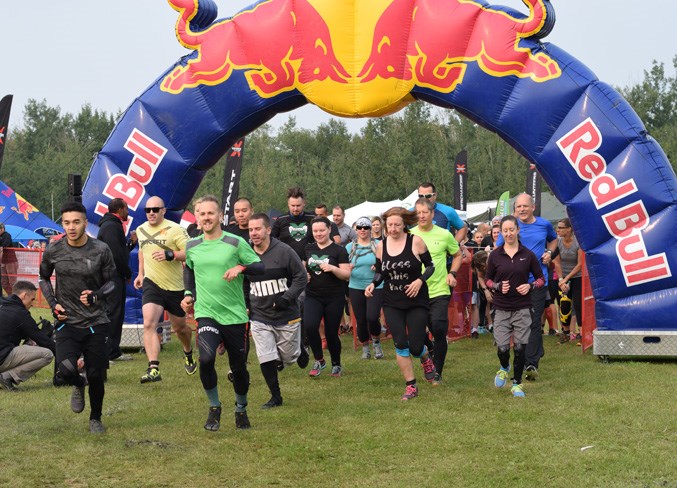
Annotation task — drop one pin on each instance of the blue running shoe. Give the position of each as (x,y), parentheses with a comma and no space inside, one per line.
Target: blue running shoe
(517,390)
(501,378)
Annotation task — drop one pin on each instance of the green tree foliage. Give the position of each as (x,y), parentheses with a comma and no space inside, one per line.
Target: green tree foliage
(47,147)
(386,160)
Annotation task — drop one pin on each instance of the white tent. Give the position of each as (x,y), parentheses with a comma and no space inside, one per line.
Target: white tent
(371,209)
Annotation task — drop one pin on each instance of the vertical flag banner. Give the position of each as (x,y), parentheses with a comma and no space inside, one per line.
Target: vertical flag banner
(534,187)
(5,107)
(461,181)
(231,179)
(503,204)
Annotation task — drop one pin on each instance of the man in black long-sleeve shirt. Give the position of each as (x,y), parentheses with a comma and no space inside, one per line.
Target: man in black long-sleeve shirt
(85,273)
(111,231)
(20,362)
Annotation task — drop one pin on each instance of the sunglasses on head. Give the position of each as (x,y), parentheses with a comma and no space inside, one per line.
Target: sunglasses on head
(426,195)
(153,209)
(362,227)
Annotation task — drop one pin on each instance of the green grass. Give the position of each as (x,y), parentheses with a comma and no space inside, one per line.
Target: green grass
(354,431)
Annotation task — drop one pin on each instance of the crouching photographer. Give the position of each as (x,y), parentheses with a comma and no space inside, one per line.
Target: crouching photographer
(20,362)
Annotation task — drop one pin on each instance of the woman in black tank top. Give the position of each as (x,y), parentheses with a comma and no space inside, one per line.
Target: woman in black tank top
(405,297)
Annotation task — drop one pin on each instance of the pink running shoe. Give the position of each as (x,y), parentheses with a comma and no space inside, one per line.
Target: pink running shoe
(411,391)
(428,369)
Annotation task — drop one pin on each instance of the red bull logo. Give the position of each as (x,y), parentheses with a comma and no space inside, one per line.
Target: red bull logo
(282,45)
(23,207)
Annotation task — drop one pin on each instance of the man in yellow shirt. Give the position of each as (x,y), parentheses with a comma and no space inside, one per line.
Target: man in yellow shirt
(162,245)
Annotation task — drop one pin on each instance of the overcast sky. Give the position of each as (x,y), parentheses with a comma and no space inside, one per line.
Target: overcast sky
(104,53)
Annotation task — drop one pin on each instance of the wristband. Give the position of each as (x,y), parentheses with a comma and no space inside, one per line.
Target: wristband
(453,273)
(548,251)
(91,299)
(169,255)
(187,293)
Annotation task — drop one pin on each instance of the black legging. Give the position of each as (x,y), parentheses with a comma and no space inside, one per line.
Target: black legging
(408,328)
(329,309)
(439,326)
(367,313)
(575,293)
(209,335)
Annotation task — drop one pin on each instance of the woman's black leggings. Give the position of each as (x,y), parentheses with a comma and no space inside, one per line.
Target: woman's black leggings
(329,309)
(409,329)
(367,313)
(576,294)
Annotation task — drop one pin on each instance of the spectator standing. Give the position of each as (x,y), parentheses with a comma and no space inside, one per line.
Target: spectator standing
(111,231)
(568,266)
(20,362)
(376,227)
(8,259)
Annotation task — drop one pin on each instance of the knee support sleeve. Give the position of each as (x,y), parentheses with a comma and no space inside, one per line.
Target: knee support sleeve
(402,352)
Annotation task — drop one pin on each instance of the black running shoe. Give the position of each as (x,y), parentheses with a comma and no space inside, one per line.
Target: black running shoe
(272,403)
(241,420)
(213,419)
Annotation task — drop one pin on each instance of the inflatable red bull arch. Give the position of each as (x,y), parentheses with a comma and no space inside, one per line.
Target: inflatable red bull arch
(356,58)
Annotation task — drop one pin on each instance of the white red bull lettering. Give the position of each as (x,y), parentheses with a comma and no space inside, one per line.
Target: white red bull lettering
(147,155)
(579,147)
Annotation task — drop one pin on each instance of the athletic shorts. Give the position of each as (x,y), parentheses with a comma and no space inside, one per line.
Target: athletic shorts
(277,342)
(515,324)
(73,342)
(169,300)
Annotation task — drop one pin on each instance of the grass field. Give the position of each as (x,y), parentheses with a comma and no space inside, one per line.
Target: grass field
(354,430)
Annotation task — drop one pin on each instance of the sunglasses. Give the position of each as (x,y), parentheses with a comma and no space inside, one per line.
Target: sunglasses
(362,227)
(426,195)
(153,209)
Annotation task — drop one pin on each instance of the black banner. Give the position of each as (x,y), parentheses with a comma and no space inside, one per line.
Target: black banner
(5,107)
(534,187)
(231,179)
(461,181)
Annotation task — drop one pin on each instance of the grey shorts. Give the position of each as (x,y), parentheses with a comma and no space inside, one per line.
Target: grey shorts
(277,342)
(515,324)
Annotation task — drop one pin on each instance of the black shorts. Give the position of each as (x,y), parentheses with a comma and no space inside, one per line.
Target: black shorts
(169,300)
(92,343)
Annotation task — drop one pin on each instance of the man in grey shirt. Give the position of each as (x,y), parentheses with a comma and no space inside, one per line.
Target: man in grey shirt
(85,274)
(345,231)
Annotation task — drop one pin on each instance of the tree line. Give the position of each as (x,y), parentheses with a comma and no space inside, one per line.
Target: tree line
(384,161)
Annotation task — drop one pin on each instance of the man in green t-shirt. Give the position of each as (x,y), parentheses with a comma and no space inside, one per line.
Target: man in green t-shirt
(441,243)
(215,264)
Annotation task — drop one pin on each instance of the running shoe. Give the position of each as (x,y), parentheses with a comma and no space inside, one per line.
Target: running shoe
(78,399)
(365,352)
(501,378)
(190,365)
(428,369)
(437,380)
(151,376)
(531,373)
(272,403)
(96,427)
(303,358)
(378,350)
(336,371)
(318,366)
(230,376)
(213,419)
(552,332)
(474,334)
(410,392)
(517,390)
(564,337)
(241,420)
